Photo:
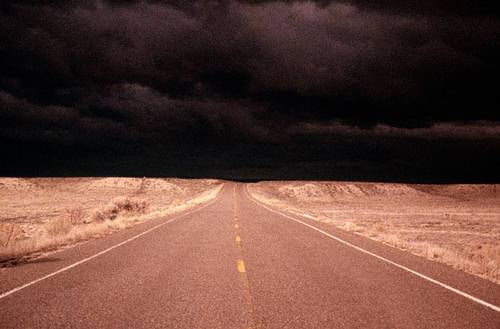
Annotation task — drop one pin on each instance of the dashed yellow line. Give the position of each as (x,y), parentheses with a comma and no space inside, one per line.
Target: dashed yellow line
(241,266)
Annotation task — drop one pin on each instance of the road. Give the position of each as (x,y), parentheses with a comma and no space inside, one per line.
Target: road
(235,264)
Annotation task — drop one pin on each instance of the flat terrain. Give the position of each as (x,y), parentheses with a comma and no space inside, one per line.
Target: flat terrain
(233,263)
(455,224)
(41,214)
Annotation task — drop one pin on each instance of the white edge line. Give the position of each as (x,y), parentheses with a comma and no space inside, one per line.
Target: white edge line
(464,294)
(26,285)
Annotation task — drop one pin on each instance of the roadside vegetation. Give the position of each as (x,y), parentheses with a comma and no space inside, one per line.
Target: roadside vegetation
(458,225)
(42,215)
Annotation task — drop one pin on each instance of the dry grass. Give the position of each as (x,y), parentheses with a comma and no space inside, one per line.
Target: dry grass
(41,215)
(458,225)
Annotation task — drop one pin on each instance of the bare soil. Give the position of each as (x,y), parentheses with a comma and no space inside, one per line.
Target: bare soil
(455,224)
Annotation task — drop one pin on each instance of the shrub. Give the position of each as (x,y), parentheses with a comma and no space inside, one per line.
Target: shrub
(60,226)
(7,233)
(119,206)
(76,216)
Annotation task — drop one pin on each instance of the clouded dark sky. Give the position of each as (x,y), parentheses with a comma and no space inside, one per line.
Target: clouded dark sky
(361,89)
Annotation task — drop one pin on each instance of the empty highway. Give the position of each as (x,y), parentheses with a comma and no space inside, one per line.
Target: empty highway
(234,263)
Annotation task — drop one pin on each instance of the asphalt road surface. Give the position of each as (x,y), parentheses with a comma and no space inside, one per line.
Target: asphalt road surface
(235,264)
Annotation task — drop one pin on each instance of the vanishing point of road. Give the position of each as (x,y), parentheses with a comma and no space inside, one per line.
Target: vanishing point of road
(235,263)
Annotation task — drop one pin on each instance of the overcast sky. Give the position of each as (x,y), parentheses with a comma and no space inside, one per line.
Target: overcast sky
(378,90)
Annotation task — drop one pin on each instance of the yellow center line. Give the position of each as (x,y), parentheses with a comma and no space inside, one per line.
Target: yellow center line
(241,266)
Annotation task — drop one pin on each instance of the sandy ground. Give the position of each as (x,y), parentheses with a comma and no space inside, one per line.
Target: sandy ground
(455,224)
(41,213)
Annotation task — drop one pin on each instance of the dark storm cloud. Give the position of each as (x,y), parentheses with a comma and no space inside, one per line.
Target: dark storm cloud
(96,72)
(476,131)
(333,61)
(129,113)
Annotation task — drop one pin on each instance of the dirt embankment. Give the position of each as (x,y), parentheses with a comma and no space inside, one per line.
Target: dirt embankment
(43,214)
(455,224)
